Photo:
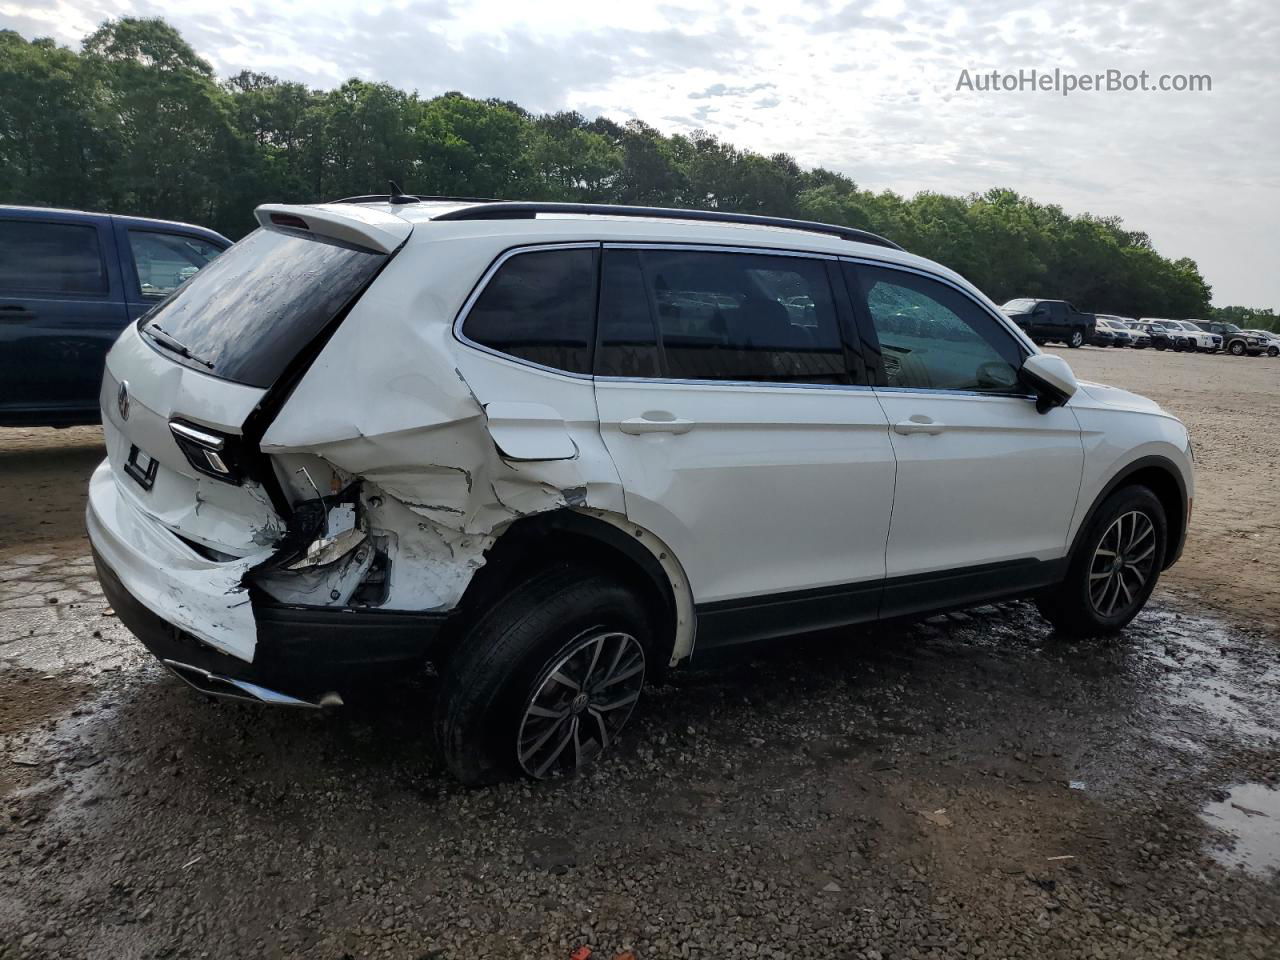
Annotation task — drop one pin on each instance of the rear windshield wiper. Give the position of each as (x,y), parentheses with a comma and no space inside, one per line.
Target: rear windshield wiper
(173,344)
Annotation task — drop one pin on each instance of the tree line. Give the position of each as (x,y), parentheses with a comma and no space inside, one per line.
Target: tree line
(137,122)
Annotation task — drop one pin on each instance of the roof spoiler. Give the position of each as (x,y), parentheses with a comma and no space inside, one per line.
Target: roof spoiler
(360,226)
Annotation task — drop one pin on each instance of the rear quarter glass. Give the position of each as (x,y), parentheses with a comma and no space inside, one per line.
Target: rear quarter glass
(247,314)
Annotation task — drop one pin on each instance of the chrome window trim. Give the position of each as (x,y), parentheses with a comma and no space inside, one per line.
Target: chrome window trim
(968,394)
(716,248)
(483,283)
(737,384)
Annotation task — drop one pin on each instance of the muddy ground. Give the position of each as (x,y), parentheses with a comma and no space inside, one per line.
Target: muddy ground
(971,786)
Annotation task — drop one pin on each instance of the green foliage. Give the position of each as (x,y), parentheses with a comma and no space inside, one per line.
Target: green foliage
(138,123)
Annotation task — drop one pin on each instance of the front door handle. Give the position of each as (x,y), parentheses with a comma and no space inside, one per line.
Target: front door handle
(655,421)
(919,423)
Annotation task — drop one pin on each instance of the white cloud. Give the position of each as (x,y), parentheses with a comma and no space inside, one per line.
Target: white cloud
(866,87)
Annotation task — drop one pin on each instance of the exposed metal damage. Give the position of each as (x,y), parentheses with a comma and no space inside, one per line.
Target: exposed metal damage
(401,520)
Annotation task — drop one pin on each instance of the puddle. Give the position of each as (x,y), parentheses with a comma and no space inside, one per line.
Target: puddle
(1250,816)
(1211,674)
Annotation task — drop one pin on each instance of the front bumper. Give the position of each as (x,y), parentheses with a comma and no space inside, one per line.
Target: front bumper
(297,652)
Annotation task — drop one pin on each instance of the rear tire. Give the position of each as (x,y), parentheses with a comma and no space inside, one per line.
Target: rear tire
(535,687)
(1076,339)
(1273,351)
(1114,566)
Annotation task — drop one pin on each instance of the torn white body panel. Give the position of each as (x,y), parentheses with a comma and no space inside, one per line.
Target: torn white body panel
(203,597)
(444,440)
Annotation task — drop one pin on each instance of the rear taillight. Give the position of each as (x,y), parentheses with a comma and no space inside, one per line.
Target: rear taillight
(211,453)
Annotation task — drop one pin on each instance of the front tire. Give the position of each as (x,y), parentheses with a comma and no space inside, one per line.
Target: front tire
(544,682)
(1237,349)
(1114,568)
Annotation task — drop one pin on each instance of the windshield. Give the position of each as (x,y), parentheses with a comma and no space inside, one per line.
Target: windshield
(1231,328)
(1019,305)
(247,314)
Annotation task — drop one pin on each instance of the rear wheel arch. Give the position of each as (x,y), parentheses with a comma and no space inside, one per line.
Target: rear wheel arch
(1162,477)
(600,541)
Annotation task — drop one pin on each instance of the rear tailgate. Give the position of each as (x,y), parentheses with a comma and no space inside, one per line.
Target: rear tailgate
(223,347)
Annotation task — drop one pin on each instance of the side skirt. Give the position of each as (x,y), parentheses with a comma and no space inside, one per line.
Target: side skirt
(744,620)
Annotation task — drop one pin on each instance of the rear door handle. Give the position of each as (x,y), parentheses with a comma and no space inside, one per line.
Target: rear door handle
(919,423)
(11,311)
(655,422)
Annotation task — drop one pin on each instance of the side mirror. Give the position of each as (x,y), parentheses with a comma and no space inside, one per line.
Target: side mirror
(1050,378)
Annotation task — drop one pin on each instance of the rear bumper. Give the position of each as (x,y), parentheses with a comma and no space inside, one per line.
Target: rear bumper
(302,651)
(166,596)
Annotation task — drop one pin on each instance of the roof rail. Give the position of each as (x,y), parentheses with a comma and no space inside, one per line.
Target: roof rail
(528,210)
(386,198)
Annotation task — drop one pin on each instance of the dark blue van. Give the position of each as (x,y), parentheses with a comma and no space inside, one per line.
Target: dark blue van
(69,282)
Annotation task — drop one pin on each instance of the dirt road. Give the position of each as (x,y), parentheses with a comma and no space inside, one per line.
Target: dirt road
(966,787)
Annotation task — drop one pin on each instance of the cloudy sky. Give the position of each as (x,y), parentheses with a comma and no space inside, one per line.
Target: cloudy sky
(867,88)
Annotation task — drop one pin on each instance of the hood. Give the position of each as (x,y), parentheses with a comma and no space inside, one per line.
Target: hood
(1104,395)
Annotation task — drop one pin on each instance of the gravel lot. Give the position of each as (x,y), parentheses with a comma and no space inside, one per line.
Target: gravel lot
(970,786)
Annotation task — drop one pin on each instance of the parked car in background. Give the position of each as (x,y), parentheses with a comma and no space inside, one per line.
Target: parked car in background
(1173,335)
(1103,336)
(1205,341)
(545,453)
(1051,320)
(1272,341)
(1138,337)
(1236,342)
(1121,335)
(69,283)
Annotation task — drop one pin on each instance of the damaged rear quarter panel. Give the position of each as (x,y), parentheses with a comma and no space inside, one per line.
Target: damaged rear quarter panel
(395,402)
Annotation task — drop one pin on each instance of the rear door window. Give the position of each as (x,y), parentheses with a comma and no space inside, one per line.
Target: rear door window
(539,306)
(720,316)
(247,314)
(57,258)
(164,261)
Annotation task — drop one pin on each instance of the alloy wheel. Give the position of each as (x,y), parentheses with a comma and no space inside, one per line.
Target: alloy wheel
(580,703)
(1122,563)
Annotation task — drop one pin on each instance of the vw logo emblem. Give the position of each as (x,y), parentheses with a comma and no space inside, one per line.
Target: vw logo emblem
(122,399)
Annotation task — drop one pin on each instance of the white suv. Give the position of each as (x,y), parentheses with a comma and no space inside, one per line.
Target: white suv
(552,449)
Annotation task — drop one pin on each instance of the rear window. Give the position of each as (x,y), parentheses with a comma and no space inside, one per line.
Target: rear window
(45,257)
(247,314)
(540,306)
